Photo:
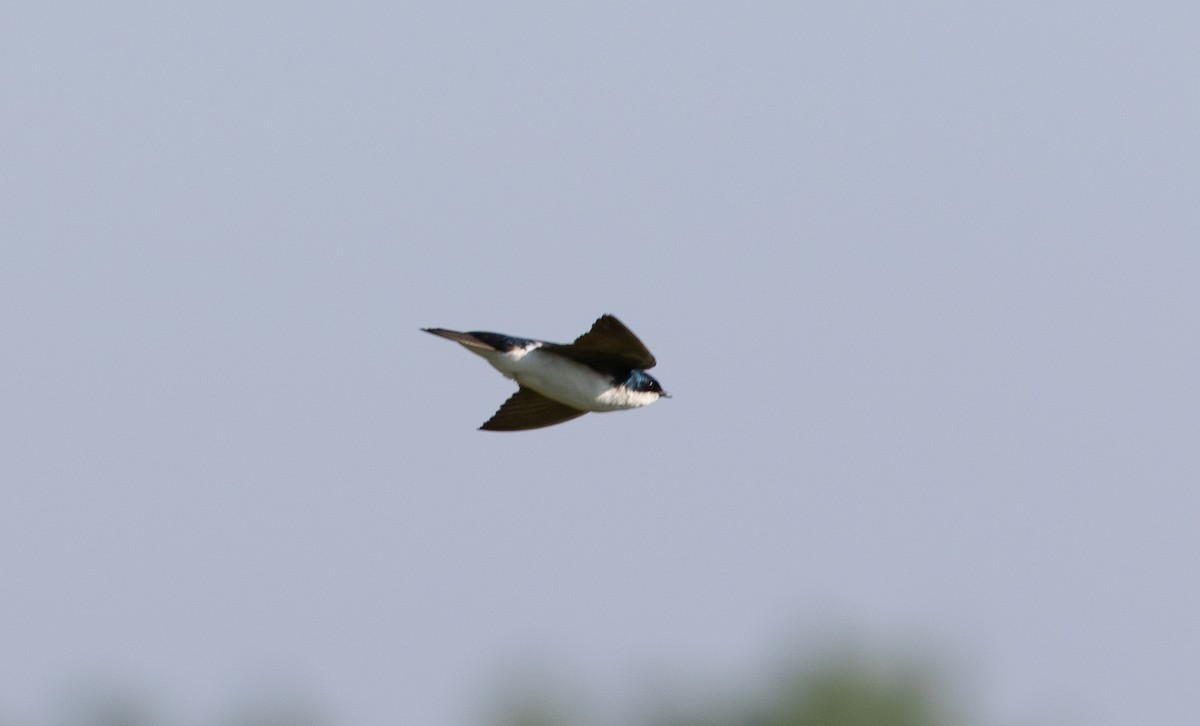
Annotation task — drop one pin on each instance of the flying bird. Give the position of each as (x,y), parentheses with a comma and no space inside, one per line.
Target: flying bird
(603,370)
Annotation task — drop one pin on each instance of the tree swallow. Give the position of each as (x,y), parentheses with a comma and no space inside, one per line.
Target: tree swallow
(603,370)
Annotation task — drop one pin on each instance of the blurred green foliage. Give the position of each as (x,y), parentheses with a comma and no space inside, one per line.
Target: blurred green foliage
(840,690)
(850,694)
(839,687)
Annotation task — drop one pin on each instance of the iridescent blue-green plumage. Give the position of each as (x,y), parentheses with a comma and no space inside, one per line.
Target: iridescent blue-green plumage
(642,381)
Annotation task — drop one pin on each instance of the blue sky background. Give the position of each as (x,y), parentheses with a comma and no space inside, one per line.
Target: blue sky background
(923,279)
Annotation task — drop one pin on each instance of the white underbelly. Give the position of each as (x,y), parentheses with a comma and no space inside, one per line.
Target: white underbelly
(566,381)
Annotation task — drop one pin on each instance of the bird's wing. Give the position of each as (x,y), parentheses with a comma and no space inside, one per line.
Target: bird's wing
(528,409)
(610,344)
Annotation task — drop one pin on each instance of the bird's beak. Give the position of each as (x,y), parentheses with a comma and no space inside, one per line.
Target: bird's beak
(664,394)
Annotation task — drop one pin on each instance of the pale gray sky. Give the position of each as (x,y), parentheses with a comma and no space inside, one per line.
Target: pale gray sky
(924,280)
